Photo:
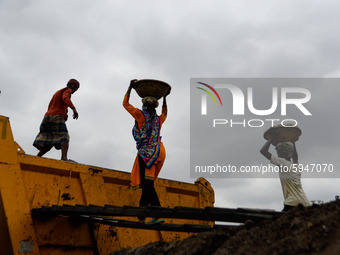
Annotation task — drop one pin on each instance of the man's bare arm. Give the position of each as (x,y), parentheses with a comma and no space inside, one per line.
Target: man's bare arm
(265,150)
(295,155)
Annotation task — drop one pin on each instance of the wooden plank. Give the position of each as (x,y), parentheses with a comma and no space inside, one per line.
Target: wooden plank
(141,225)
(208,214)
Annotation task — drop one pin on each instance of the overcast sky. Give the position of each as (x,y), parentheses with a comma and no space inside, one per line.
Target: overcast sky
(105,44)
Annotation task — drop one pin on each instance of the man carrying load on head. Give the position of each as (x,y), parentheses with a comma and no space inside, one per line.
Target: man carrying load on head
(290,180)
(53,130)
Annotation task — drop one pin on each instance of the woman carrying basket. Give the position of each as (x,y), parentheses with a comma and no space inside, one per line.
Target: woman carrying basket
(151,151)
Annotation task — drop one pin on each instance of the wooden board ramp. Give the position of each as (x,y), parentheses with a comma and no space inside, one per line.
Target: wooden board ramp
(141,225)
(99,214)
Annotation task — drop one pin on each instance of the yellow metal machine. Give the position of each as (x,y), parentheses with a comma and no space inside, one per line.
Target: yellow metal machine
(28,182)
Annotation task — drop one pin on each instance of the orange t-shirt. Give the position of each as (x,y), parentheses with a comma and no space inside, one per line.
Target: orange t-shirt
(59,103)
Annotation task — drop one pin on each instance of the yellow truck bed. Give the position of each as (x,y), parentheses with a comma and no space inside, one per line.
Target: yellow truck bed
(28,182)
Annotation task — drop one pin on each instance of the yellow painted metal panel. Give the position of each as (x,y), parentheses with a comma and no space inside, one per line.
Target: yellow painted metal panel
(13,193)
(28,182)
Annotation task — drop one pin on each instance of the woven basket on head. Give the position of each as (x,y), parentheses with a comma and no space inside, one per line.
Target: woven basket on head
(151,88)
(279,134)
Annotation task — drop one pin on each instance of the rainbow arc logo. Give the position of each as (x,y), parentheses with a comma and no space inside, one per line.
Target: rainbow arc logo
(209,93)
(204,97)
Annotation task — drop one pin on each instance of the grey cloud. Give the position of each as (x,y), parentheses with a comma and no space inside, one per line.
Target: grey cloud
(105,44)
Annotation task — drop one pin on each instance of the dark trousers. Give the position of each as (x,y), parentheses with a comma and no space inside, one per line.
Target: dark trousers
(149,195)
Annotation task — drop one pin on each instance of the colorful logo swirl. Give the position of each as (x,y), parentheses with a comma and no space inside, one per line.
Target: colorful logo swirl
(209,93)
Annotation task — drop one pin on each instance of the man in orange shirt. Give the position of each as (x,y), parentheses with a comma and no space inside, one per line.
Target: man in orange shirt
(53,130)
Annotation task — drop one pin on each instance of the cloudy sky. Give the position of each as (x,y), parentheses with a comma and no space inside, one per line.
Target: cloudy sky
(105,44)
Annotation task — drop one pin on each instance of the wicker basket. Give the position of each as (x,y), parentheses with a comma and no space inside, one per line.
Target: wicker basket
(154,88)
(279,134)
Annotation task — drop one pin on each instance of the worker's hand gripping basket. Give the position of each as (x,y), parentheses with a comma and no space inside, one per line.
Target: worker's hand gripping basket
(279,134)
(151,88)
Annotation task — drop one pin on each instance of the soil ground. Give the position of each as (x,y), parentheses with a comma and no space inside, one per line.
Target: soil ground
(312,230)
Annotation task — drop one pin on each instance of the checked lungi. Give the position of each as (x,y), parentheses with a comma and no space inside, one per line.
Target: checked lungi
(53,131)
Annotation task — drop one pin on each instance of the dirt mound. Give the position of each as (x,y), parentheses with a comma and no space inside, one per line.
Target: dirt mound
(312,230)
